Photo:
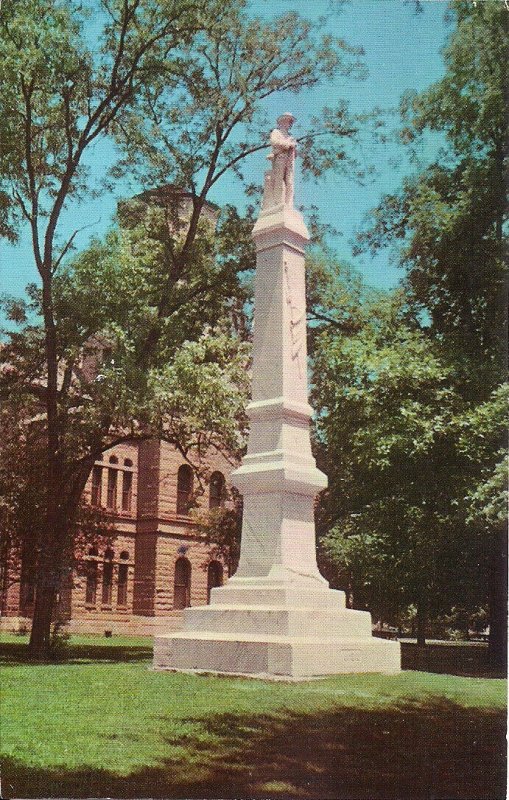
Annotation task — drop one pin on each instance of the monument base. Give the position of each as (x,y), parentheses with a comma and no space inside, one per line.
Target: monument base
(276,631)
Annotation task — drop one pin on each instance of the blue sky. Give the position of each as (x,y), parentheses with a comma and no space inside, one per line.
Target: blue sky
(402,52)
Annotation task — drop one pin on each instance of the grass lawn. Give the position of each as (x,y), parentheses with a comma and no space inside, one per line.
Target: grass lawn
(102,724)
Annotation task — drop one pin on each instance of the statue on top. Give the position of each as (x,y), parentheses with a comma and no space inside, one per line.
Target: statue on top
(279,181)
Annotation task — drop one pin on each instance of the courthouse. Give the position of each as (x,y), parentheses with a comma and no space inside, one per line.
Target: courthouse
(153,562)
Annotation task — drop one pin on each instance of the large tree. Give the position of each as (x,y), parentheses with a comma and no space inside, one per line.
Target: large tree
(192,393)
(409,459)
(180,84)
(59,97)
(446,224)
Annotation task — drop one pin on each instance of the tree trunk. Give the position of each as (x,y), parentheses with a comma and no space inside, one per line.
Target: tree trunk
(5,573)
(421,620)
(497,647)
(49,571)
(40,637)
(50,556)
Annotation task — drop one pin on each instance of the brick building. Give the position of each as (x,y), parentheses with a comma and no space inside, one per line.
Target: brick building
(153,562)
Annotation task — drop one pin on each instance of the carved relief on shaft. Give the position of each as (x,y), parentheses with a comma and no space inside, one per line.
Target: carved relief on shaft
(297,325)
(279,180)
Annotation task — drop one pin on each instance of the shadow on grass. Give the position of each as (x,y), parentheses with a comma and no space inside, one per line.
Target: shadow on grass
(468,659)
(408,751)
(18,653)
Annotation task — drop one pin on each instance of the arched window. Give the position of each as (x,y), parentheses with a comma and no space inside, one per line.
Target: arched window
(184,489)
(97,478)
(127,490)
(113,460)
(216,490)
(91,585)
(124,555)
(123,573)
(107,577)
(182,586)
(111,497)
(214,577)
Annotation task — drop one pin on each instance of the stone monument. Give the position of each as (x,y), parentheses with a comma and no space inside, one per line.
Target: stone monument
(276,617)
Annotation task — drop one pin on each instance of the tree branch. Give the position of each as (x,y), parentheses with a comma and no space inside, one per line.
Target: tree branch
(347,327)
(33,218)
(69,242)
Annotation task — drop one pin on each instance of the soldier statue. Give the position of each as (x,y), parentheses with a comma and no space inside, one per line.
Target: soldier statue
(279,181)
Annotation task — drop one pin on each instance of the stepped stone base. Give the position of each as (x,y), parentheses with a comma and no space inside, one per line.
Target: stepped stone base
(276,632)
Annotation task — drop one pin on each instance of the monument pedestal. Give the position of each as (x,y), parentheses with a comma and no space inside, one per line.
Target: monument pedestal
(285,631)
(276,617)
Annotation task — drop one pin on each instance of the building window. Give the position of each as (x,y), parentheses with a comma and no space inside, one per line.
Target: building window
(127,491)
(107,577)
(184,489)
(182,588)
(214,577)
(123,571)
(91,586)
(111,499)
(216,490)
(97,478)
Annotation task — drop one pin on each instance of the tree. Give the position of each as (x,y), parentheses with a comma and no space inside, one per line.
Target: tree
(217,118)
(63,97)
(406,454)
(192,395)
(197,76)
(22,489)
(19,509)
(447,226)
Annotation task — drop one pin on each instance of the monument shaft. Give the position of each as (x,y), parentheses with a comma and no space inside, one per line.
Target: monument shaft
(278,477)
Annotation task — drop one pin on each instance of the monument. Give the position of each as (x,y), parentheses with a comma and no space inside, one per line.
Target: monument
(276,617)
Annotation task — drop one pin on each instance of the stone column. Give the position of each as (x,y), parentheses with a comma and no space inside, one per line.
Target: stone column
(277,617)
(278,477)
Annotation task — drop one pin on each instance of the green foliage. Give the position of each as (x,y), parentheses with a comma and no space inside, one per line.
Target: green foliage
(193,129)
(408,458)
(413,405)
(448,221)
(180,85)
(60,641)
(334,292)
(192,392)
(59,94)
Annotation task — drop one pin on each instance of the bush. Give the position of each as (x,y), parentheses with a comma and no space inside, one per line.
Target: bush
(59,642)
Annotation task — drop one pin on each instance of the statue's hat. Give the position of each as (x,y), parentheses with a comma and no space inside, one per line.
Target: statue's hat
(286,115)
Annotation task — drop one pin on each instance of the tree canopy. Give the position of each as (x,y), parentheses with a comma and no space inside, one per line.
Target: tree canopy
(412,405)
(408,459)
(447,220)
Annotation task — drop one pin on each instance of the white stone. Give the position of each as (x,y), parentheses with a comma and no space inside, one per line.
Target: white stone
(276,617)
